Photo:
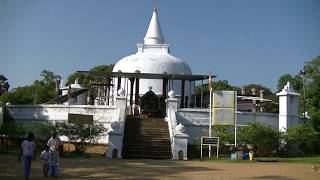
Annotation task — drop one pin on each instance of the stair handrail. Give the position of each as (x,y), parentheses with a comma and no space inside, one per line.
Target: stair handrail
(172,123)
(193,120)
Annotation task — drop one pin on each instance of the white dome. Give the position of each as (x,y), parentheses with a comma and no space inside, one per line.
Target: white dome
(152,63)
(153,57)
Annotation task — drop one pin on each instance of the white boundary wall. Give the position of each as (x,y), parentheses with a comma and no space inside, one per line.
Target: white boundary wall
(52,113)
(196,121)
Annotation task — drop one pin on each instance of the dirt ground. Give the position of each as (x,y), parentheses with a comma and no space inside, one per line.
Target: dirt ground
(104,168)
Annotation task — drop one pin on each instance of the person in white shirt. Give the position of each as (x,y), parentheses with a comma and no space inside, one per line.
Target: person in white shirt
(54,144)
(28,148)
(45,161)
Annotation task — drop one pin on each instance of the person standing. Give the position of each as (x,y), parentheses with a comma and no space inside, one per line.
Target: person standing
(28,147)
(45,161)
(54,144)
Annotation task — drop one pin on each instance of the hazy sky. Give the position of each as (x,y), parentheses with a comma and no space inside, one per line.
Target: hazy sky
(242,41)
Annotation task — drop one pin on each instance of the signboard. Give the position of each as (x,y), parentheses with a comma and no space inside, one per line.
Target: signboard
(210,141)
(224,107)
(80,118)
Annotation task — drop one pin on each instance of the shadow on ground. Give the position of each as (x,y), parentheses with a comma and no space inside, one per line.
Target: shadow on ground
(102,168)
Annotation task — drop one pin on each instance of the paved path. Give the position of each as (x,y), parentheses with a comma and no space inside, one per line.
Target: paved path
(103,168)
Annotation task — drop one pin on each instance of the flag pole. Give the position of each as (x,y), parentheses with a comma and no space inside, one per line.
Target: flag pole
(235,119)
(210,112)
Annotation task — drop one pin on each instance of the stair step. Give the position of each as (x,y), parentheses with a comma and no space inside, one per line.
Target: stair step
(146,139)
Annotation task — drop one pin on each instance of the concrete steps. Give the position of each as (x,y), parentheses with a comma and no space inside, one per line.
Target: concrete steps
(146,138)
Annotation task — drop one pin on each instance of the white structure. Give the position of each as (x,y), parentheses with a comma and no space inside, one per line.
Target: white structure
(288,107)
(153,57)
(115,140)
(78,100)
(178,137)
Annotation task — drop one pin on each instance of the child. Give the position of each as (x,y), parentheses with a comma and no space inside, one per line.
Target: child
(54,163)
(28,151)
(45,161)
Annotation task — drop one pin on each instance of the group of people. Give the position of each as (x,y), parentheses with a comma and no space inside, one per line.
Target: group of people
(49,156)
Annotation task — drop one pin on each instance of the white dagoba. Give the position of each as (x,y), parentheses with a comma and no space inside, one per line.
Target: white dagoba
(153,57)
(79,100)
(288,107)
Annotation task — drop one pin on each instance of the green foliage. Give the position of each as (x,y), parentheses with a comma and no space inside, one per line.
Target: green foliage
(80,134)
(295,80)
(37,93)
(42,132)
(264,138)
(301,140)
(217,85)
(311,76)
(49,77)
(15,132)
(85,79)
(4,85)
(226,136)
(312,70)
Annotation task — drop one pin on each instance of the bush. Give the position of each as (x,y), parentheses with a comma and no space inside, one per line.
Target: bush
(226,136)
(80,134)
(265,139)
(301,140)
(16,132)
(42,132)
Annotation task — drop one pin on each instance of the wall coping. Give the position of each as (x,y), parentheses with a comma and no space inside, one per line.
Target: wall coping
(61,106)
(238,112)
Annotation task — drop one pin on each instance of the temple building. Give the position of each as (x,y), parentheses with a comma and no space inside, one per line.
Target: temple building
(148,104)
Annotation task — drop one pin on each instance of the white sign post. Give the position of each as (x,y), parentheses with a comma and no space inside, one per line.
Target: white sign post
(210,141)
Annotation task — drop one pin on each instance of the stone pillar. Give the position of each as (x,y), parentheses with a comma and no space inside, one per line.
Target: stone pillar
(136,98)
(115,135)
(182,94)
(288,107)
(115,141)
(172,102)
(164,87)
(131,95)
(180,144)
(118,84)
(120,104)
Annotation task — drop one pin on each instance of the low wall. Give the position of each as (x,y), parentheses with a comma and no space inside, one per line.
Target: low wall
(44,113)
(196,121)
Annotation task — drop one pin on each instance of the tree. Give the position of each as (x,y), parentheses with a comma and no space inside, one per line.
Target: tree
(312,83)
(39,92)
(311,75)
(301,140)
(4,85)
(80,134)
(295,80)
(217,85)
(49,77)
(85,79)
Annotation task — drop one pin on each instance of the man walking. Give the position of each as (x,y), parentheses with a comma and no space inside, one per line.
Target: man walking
(54,144)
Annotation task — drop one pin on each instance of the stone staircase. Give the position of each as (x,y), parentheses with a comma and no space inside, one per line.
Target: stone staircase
(146,138)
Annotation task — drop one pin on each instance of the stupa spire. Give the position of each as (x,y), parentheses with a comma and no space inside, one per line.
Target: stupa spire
(154,34)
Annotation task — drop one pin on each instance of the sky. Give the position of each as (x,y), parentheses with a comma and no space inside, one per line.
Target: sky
(241,41)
